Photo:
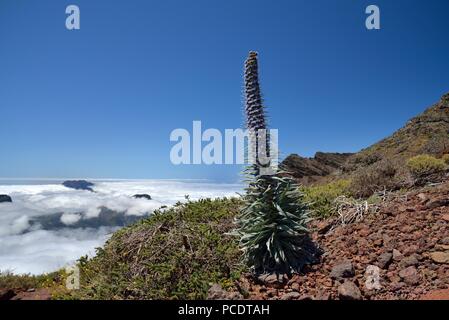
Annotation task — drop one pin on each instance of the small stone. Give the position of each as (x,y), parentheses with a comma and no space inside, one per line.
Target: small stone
(322,296)
(324,226)
(305,297)
(395,286)
(411,249)
(372,276)
(442,247)
(349,291)
(295,286)
(378,242)
(422,197)
(440,257)
(290,296)
(216,292)
(397,255)
(433,204)
(445,217)
(273,280)
(342,270)
(409,261)
(384,260)
(271,292)
(409,275)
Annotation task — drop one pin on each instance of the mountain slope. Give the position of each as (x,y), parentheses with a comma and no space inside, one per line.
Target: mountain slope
(427,133)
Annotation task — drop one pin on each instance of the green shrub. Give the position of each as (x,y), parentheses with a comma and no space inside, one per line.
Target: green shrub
(321,198)
(174,254)
(425,164)
(425,168)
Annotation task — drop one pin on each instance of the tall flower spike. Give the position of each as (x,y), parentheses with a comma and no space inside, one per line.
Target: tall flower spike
(255,114)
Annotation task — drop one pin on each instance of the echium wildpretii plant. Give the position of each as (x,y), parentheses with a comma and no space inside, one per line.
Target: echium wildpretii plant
(272,222)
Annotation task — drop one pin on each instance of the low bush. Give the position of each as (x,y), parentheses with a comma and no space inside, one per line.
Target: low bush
(382,175)
(321,198)
(175,254)
(425,168)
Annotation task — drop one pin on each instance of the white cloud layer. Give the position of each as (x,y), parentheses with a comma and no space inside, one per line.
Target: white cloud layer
(27,248)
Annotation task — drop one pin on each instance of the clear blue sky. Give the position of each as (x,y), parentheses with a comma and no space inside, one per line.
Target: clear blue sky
(101,102)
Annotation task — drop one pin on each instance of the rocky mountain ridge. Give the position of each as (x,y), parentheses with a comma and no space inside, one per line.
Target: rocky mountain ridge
(427,133)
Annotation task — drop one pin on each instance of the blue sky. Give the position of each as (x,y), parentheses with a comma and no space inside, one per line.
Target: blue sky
(101,102)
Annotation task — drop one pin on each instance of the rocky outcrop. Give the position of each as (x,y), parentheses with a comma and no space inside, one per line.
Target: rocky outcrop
(5,198)
(142,196)
(79,185)
(309,170)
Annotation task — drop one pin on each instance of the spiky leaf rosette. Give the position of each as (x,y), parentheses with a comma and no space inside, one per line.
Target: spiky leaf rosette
(272,224)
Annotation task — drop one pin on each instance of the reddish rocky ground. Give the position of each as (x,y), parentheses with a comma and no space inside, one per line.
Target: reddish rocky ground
(400,252)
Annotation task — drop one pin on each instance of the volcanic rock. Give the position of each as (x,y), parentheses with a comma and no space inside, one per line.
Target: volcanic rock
(79,185)
(142,196)
(349,291)
(5,198)
(342,270)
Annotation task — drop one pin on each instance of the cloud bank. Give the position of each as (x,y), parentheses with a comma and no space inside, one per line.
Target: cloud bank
(29,246)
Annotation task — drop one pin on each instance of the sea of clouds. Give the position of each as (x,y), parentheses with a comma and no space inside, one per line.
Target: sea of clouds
(27,247)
